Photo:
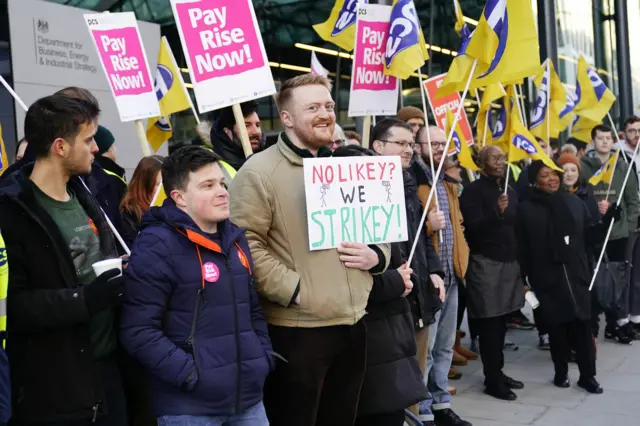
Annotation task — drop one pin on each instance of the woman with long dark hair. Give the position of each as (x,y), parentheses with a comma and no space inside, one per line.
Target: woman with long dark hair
(555,231)
(145,182)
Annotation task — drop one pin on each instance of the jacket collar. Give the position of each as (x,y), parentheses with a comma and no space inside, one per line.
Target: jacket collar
(226,148)
(108,164)
(295,154)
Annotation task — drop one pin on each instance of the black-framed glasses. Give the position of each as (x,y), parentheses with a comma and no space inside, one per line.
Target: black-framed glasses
(403,144)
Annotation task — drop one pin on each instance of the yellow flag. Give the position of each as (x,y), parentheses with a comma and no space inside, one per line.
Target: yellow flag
(491,94)
(406,49)
(4,158)
(523,145)
(605,173)
(582,127)
(340,28)
(159,197)
(594,98)
(172,96)
(502,127)
(505,43)
(462,148)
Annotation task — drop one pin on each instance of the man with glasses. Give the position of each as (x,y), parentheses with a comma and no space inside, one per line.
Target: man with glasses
(338,139)
(394,137)
(494,288)
(454,257)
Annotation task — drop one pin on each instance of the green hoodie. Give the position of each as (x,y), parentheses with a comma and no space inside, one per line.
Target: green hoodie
(630,201)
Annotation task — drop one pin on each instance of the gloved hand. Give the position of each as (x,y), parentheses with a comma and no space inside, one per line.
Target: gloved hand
(104,292)
(614,212)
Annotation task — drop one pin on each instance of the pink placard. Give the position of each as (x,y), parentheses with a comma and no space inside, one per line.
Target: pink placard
(220,36)
(368,70)
(121,53)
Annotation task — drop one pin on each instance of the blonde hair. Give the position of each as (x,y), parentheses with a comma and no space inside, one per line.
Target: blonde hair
(286,89)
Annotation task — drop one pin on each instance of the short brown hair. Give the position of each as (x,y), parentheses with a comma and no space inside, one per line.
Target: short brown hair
(350,134)
(79,93)
(286,89)
(631,120)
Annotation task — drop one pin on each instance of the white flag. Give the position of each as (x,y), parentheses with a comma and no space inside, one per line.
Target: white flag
(316,66)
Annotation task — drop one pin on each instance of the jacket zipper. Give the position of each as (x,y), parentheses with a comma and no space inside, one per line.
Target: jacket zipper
(191,340)
(236,334)
(573,298)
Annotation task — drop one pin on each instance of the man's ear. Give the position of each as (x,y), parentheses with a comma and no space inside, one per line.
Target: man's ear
(286,118)
(228,132)
(377,147)
(60,147)
(178,198)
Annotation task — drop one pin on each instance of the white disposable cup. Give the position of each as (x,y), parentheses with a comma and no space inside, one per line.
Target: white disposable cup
(531,299)
(105,265)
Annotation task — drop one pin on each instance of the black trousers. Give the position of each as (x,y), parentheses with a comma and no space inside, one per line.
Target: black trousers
(320,383)
(492,332)
(385,419)
(578,336)
(540,322)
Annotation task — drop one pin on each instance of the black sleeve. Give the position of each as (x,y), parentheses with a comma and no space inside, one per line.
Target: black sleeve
(39,310)
(381,260)
(389,285)
(523,246)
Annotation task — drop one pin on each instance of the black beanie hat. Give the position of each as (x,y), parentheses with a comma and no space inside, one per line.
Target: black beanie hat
(104,139)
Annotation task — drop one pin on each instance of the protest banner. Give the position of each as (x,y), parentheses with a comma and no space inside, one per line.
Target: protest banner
(224,51)
(372,92)
(117,39)
(440,106)
(354,199)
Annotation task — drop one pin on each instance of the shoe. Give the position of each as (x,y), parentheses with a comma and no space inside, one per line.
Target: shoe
(562,382)
(610,333)
(475,345)
(452,391)
(454,374)
(510,346)
(591,385)
(623,334)
(500,391)
(520,322)
(458,359)
(512,383)
(543,343)
(471,356)
(447,417)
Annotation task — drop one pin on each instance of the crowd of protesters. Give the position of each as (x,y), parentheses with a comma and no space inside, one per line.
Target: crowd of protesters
(224,317)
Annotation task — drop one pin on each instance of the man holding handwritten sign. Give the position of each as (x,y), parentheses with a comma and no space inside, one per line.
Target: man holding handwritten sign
(314,301)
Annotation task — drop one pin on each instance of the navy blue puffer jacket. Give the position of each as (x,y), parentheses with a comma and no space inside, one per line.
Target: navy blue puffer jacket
(191,316)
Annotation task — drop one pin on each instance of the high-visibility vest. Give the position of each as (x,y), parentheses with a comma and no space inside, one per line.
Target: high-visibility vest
(4,286)
(228,171)
(115,174)
(515,171)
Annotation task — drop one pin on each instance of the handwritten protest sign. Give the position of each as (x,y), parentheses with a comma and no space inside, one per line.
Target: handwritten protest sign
(117,39)
(440,106)
(356,199)
(372,92)
(224,51)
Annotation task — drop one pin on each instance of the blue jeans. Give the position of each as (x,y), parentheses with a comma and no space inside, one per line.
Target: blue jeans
(442,337)
(254,416)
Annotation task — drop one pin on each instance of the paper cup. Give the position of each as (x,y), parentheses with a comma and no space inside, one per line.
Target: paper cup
(101,267)
(531,299)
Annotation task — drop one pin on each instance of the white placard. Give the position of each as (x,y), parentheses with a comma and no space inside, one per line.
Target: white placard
(124,61)
(223,48)
(355,199)
(372,92)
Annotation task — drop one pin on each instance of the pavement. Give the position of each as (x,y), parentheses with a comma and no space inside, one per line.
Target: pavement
(542,404)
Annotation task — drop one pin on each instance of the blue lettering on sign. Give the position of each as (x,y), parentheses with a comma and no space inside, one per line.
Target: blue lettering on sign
(524,144)
(403,29)
(163,81)
(346,17)
(501,123)
(540,111)
(495,13)
(456,141)
(3,256)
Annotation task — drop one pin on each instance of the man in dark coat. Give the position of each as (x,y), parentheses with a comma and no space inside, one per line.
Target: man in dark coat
(191,314)
(63,336)
(494,287)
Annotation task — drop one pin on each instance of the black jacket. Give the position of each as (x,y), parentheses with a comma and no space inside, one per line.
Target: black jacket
(562,288)
(424,299)
(111,166)
(487,231)
(393,380)
(130,227)
(53,373)
(230,152)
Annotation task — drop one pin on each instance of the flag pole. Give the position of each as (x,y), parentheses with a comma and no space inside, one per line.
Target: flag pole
(475,122)
(182,84)
(155,196)
(446,149)
(242,129)
(613,172)
(426,123)
(549,104)
(366,131)
(606,240)
(142,138)
(521,108)
(13,93)
(506,180)
(486,126)
(615,132)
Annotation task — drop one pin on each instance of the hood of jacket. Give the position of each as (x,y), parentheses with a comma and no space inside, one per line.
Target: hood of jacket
(225,147)
(172,217)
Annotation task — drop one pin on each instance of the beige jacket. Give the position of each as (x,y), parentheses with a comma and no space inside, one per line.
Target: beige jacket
(268,199)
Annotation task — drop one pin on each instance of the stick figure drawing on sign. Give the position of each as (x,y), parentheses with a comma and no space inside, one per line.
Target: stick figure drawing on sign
(323,191)
(387,185)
